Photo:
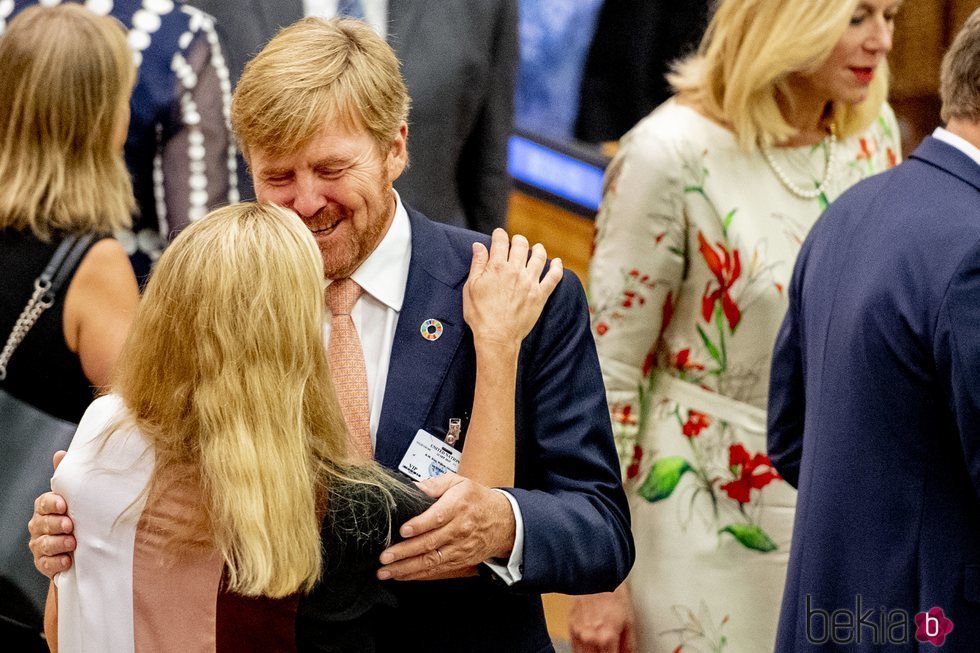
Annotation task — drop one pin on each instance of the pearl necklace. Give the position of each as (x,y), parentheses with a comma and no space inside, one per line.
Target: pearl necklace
(806,193)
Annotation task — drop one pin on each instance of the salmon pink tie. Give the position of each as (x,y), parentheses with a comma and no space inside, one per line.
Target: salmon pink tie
(347,364)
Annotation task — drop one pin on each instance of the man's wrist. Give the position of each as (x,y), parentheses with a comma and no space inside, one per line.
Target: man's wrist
(506,527)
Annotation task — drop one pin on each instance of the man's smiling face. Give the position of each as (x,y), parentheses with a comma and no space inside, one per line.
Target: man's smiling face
(339,183)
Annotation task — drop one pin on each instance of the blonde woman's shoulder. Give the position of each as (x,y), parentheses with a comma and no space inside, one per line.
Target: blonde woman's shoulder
(676,129)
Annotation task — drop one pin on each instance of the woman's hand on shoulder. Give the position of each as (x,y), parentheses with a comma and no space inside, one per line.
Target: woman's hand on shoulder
(506,292)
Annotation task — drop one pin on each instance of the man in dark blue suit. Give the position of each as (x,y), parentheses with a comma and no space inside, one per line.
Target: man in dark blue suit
(320,114)
(874,404)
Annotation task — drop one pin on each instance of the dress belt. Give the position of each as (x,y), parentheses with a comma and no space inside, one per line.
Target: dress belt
(737,413)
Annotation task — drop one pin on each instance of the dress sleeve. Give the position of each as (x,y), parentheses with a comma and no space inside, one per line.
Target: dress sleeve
(636,271)
(199,170)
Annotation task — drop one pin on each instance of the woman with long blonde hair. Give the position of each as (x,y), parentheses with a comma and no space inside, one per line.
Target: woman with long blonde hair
(705,207)
(201,487)
(67,75)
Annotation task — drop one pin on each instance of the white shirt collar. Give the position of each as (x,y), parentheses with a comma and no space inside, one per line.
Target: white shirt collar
(960,143)
(384,274)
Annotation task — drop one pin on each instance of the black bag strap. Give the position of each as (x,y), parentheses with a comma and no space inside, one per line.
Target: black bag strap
(61,266)
(64,261)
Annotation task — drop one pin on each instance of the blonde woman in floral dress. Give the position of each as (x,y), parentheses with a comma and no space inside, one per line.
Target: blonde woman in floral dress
(705,208)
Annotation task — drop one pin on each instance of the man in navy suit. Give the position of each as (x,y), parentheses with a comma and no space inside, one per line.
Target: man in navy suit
(874,403)
(321,116)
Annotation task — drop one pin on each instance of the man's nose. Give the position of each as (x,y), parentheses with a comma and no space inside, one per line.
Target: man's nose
(309,199)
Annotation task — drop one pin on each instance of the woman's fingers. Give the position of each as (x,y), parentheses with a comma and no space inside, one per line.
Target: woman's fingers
(555,272)
(499,246)
(480,258)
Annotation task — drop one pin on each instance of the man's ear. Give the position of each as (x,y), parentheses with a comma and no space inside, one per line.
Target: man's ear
(397,159)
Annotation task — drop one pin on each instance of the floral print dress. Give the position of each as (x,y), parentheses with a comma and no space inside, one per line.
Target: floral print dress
(695,244)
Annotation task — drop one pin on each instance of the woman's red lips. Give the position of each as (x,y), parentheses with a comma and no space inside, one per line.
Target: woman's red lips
(863,75)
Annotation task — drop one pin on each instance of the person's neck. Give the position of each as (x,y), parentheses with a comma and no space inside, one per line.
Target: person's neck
(807,115)
(968,130)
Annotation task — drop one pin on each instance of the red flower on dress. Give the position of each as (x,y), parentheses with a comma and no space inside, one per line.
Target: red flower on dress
(867,149)
(634,467)
(727,267)
(682,361)
(668,311)
(892,159)
(696,422)
(648,363)
(753,473)
(601,328)
(625,415)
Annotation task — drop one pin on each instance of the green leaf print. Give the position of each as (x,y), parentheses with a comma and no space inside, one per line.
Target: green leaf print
(710,346)
(727,222)
(750,536)
(663,478)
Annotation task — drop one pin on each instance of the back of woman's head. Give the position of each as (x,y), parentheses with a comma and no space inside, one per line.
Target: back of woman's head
(746,58)
(67,77)
(225,370)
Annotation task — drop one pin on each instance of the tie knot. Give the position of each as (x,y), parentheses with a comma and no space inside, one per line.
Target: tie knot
(342,295)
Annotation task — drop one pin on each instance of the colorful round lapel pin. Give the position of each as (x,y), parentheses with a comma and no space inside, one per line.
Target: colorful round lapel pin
(431,329)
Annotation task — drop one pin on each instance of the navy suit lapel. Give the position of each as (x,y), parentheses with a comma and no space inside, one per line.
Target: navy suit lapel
(418,366)
(948,158)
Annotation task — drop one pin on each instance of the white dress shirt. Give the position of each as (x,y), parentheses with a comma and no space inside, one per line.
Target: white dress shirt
(384,277)
(960,143)
(375,12)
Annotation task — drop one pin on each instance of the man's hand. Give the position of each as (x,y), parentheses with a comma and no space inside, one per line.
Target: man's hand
(603,623)
(468,524)
(50,528)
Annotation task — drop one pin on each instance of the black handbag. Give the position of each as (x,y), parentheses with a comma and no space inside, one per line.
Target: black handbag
(28,439)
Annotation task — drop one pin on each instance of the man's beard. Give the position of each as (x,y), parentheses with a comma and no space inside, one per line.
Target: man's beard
(342,258)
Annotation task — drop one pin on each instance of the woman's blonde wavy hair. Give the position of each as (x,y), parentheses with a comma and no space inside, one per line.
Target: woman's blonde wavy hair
(67,77)
(747,55)
(226,374)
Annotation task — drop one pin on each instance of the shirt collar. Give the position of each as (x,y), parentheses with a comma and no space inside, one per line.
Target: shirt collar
(384,274)
(960,143)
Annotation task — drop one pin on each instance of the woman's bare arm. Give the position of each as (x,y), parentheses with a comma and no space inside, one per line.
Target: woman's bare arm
(99,308)
(502,300)
(51,618)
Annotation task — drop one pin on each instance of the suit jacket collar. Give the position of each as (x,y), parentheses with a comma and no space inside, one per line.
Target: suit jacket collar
(418,366)
(946,157)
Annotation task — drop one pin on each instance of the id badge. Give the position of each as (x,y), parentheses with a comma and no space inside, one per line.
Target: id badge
(429,457)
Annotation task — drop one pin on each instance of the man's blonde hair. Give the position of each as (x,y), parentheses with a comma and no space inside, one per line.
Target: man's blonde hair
(226,374)
(315,72)
(746,58)
(959,80)
(67,75)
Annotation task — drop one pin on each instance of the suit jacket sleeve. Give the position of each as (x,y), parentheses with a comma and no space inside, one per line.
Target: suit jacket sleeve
(482,175)
(957,354)
(787,400)
(576,519)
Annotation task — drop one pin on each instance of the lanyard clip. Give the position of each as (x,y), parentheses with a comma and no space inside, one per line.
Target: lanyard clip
(455,428)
